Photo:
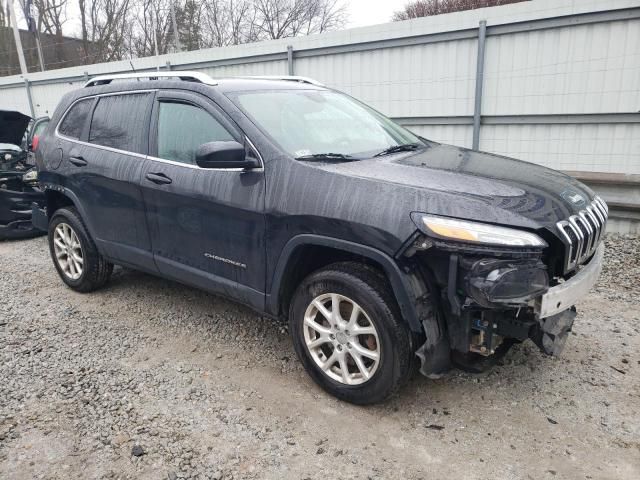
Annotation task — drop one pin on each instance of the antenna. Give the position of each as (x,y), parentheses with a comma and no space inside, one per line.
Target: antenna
(134,69)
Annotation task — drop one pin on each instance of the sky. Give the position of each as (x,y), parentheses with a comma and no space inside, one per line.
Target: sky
(372,12)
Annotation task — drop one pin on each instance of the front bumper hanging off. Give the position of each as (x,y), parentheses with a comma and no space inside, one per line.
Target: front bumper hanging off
(511,303)
(563,296)
(556,311)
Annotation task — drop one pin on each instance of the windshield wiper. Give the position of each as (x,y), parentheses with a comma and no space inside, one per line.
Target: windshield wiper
(324,156)
(407,147)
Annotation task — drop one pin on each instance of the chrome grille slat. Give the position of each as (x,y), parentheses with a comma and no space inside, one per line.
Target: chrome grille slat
(597,222)
(590,235)
(596,211)
(582,233)
(573,220)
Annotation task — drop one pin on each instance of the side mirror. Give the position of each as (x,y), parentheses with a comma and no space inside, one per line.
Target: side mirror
(224,155)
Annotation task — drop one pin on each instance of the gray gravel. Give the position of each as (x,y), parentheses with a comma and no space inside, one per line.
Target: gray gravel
(150,379)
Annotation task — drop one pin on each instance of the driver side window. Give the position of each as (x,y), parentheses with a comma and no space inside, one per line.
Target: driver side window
(182,128)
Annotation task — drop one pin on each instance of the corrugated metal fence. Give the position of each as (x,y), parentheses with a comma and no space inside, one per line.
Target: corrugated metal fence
(556,82)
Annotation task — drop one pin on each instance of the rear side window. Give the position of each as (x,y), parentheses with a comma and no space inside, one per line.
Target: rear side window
(182,128)
(74,121)
(119,121)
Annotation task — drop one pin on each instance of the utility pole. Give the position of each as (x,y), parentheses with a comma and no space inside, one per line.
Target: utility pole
(27,9)
(16,36)
(40,56)
(155,38)
(175,27)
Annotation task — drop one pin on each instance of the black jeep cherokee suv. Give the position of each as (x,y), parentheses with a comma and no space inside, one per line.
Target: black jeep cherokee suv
(384,250)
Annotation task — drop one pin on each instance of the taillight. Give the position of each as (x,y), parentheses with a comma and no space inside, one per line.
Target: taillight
(34,143)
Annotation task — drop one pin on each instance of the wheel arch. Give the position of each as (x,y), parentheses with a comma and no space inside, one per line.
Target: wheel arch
(287,275)
(57,199)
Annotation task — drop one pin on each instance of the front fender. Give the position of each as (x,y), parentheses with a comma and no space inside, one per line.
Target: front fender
(402,284)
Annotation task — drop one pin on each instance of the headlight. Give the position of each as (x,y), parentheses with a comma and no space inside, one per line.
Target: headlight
(465,231)
(506,281)
(30,176)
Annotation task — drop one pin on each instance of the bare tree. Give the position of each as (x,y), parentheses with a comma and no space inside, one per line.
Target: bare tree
(230,22)
(104,29)
(116,29)
(242,22)
(189,23)
(288,18)
(325,15)
(427,8)
(152,23)
(217,21)
(52,15)
(4,16)
(233,22)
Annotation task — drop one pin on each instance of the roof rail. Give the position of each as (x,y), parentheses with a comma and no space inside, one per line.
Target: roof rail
(290,78)
(187,76)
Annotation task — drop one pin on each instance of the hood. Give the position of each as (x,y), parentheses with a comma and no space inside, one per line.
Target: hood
(12,126)
(469,179)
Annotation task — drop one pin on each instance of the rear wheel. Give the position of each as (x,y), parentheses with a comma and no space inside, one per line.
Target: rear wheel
(74,254)
(349,335)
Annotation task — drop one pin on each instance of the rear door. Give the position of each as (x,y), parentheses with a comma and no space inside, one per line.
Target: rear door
(104,168)
(207,226)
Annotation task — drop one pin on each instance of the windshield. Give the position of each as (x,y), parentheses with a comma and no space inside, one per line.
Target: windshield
(319,122)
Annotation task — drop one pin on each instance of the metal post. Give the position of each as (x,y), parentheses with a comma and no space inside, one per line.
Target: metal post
(290,59)
(40,54)
(16,36)
(27,7)
(155,39)
(477,111)
(175,27)
(27,86)
(86,77)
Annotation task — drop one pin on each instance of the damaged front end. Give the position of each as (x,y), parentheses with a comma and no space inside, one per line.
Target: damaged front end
(491,296)
(18,192)
(19,188)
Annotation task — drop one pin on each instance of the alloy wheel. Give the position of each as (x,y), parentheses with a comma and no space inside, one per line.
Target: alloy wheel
(341,339)
(68,251)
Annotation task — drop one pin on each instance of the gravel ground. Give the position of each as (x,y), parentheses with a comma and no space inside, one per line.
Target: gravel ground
(150,379)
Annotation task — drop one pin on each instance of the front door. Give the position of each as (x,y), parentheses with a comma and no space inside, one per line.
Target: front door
(207,226)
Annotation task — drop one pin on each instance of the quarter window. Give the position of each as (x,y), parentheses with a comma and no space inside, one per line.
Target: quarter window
(119,122)
(182,128)
(75,119)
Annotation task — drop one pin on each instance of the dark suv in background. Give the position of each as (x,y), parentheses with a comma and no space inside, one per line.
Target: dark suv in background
(384,250)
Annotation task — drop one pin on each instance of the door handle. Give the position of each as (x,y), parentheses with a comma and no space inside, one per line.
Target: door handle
(158,178)
(78,161)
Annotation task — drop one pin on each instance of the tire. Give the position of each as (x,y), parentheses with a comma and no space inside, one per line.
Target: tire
(352,285)
(90,271)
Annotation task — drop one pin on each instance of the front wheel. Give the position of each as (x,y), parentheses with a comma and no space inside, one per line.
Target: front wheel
(349,335)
